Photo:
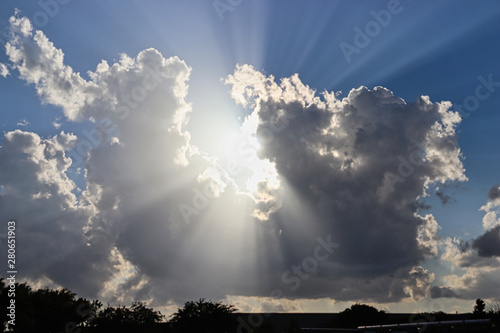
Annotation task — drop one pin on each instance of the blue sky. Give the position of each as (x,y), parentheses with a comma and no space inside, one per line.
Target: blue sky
(445,50)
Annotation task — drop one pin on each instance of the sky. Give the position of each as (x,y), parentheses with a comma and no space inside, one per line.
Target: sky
(281,156)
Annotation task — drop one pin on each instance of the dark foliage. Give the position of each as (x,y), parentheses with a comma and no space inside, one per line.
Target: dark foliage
(361,315)
(479,308)
(60,310)
(493,312)
(46,310)
(428,317)
(137,318)
(204,316)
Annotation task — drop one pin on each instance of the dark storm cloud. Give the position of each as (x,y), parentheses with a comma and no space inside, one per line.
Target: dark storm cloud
(358,165)
(488,244)
(444,292)
(494,192)
(445,199)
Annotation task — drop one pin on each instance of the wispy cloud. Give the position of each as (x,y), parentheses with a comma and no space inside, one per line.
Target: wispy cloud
(23,122)
(4,70)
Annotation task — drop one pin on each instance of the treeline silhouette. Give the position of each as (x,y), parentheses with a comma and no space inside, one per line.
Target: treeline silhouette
(47,310)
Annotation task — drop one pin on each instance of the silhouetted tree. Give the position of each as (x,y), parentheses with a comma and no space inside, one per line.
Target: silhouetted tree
(493,311)
(46,310)
(479,308)
(428,316)
(204,316)
(137,318)
(494,306)
(361,315)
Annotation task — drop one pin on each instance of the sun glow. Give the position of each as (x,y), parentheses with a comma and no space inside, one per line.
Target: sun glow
(253,175)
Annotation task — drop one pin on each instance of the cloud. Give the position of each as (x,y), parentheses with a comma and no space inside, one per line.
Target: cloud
(443,292)
(160,219)
(37,194)
(56,124)
(445,199)
(488,244)
(4,70)
(23,122)
(494,192)
(490,219)
(41,64)
(357,166)
(263,304)
(461,254)
(428,238)
(478,260)
(140,170)
(475,282)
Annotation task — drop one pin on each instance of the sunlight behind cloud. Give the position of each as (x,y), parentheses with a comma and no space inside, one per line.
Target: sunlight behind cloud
(213,155)
(251,173)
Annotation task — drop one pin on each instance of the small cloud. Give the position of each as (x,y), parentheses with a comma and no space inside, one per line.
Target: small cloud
(445,198)
(488,244)
(23,122)
(444,292)
(4,71)
(494,192)
(56,124)
(491,217)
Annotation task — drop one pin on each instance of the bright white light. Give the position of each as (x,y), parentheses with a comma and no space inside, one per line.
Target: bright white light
(249,171)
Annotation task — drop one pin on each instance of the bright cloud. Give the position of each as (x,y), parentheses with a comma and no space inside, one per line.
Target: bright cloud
(4,70)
